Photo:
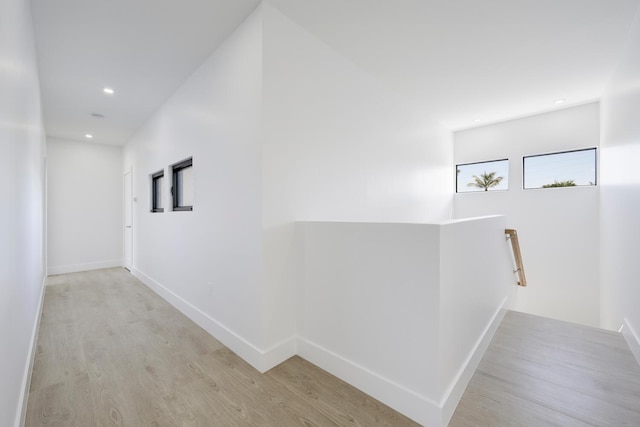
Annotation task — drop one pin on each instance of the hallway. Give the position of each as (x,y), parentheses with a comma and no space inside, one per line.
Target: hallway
(111,352)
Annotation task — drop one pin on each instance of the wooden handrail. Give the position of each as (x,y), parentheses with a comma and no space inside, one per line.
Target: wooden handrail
(517,255)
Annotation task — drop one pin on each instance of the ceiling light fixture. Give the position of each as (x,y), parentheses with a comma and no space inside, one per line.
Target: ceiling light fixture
(88,136)
(477,120)
(108,91)
(559,101)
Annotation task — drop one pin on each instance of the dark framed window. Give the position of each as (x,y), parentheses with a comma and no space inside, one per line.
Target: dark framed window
(182,188)
(157,180)
(576,168)
(491,175)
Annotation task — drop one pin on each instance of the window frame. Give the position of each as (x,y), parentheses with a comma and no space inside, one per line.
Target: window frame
(506,159)
(176,185)
(595,165)
(155,177)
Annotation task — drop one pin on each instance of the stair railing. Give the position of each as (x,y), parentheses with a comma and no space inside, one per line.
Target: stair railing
(517,255)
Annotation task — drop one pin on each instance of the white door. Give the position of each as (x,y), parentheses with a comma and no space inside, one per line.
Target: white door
(128,221)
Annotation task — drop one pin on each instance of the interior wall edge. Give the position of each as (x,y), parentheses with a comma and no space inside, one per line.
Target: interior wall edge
(456,389)
(279,352)
(632,338)
(26,382)
(414,405)
(260,359)
(75,268)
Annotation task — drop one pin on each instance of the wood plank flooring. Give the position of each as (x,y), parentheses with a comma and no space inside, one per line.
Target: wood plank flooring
(543,372)
(110,352)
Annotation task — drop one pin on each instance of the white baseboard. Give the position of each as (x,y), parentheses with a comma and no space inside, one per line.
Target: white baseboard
(262,360)
(418,407)
(415,406)
(279,352)
(632,338)
(74,268)
(456,388)
(26,381)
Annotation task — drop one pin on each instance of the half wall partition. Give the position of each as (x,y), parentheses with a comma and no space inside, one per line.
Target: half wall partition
(403,311)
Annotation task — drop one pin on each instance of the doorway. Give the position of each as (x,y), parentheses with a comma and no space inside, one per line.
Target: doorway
(128,220)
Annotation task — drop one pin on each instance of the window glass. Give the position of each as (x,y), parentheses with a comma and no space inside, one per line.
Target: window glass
(482,176)
(185,177)
(157,183)
(183,186)
(566,169)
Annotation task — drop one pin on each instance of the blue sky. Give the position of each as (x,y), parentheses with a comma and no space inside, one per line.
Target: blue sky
(579,166)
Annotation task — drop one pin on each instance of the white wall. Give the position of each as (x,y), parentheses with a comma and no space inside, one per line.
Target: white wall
(620,196)
(208,262)
(84,215)
(369,309)
(558,227)
(338,146)
(477,286)
(388,307)
(22,222)
(308,136)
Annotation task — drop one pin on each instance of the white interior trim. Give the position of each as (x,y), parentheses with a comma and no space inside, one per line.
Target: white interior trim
(26,381)
(74,268)
(414,405)
(632,338)
(459,384)
(262,360)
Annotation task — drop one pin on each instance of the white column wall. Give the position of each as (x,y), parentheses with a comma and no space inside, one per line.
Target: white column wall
(208,262)
(263,150)
(84,188)
(477,286)
(338,146)
(369,294)
(22,219)
(620,196)
(558,227)
(403,311)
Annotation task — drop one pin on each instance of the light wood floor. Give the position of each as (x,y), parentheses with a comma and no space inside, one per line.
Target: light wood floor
(110,352)
(543,372)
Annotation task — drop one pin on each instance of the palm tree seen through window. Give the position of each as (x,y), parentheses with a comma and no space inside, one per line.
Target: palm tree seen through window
(482,176)
(486,181)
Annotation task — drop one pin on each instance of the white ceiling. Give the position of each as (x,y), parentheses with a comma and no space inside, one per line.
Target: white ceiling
(457,60)
(143,49)
(468,60)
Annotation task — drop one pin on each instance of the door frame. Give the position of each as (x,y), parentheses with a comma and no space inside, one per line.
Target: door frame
(127,180)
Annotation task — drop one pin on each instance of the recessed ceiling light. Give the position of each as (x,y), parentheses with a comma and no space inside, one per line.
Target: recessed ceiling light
(108,91)
(477,120)
(88,136)
(559,101)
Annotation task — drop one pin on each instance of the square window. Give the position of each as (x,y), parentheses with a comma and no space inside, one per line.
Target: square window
(183,188)
(564,169)
(482,176)
(157,181)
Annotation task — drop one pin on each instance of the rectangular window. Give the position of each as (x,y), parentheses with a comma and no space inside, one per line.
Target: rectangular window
(564,169)
(182,190)
(157,180)
(482,176)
